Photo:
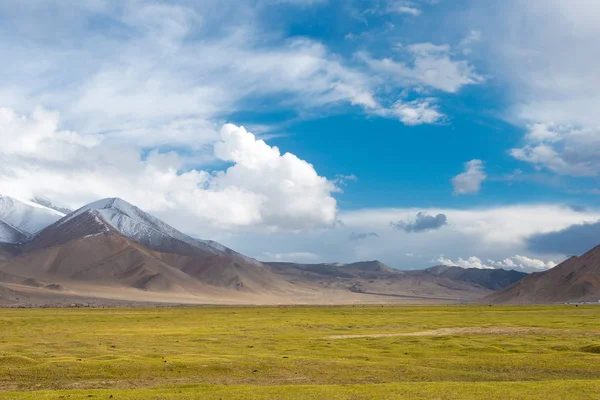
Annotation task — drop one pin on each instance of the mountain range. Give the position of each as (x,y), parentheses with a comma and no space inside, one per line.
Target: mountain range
(112,252)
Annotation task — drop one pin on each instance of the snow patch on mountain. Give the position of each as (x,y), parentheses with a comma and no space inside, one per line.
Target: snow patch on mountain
(22,219)
(144,228)
(49,204)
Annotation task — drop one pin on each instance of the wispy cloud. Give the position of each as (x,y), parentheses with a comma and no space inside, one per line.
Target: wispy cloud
(361,236)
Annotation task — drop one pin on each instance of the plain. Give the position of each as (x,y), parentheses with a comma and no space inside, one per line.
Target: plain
(360,352)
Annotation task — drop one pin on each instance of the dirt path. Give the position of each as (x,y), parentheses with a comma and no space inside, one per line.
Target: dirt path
(499,331)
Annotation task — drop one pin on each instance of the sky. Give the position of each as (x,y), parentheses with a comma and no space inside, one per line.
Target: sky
(414,132)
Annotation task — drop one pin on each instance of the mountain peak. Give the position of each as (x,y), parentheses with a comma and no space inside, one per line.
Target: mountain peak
(117,215)
(109,202)
(21,219)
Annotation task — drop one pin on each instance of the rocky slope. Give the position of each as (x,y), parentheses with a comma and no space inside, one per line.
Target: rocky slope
(574,280)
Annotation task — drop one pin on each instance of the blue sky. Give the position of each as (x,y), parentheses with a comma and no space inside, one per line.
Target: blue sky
(360,118)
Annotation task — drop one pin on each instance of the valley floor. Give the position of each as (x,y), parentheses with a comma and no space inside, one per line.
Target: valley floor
(360,352)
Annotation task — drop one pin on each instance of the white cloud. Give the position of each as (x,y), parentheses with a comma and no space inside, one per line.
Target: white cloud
(469,182)
(523,262)
(416,112)
(404,7)
(541,52)
(408,10)
(541,133)
(291,257)
(471,262)
(262,188)
(412,8)
(474,36)
(166,74)
(169,75)
(292,194)
(514,262)
(562,149)
(429,65)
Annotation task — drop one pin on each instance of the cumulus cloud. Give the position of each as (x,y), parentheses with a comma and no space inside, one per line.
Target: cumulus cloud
(262,187)
(523,262)
(471,262)
(572,240)
(362,236)
(514,262)
(469,182)
(423,222)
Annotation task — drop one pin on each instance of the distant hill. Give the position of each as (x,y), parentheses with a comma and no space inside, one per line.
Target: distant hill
(493,279)
(576,279)
(374,277)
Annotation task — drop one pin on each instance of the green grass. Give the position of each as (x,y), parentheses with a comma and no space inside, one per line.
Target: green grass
(287,352)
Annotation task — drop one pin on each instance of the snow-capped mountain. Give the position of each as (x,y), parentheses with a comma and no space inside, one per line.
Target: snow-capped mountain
(22,219)
(111,242)
(117,215)
(49,204)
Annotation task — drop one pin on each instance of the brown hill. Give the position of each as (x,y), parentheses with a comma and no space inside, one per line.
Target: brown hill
(576,279)
(7,251)
(110,259)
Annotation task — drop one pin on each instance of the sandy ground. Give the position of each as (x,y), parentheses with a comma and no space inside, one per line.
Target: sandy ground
(99,296)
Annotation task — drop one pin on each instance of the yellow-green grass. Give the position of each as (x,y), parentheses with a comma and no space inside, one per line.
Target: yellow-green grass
(288,352)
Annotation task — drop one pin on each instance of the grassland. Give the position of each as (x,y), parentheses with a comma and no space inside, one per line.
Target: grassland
(440,352)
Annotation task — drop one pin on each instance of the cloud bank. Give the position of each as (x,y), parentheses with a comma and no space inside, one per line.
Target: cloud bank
(572,240)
